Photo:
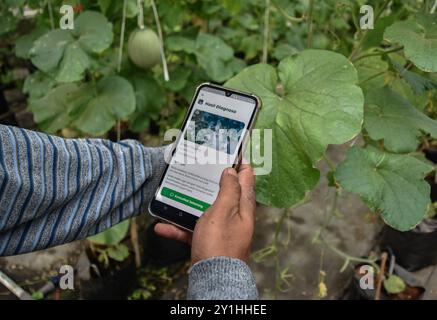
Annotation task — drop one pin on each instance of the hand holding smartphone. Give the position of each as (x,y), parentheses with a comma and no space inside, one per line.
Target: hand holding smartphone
(211,140)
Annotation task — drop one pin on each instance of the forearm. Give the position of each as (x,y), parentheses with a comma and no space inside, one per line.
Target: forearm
(221,278)
(55,190)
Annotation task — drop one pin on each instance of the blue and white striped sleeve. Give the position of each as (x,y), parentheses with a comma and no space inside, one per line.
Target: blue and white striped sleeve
(55,190)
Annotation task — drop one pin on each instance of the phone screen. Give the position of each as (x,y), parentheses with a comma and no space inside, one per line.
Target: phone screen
(209,142)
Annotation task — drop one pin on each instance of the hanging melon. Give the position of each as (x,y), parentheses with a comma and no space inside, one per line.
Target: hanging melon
(144,48)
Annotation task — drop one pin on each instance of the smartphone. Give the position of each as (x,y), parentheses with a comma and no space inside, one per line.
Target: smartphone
(211,139)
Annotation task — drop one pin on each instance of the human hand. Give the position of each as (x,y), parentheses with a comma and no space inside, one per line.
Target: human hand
(226,228)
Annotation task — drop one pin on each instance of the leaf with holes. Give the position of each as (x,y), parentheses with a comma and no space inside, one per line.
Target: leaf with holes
(96,109)
(310,101)
(67,54)
(390,183)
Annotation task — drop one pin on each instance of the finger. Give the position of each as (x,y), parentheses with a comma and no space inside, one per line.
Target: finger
(246,179)
(229,195)
(172,232)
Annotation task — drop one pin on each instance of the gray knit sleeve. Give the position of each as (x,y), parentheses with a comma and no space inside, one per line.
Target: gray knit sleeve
(221,278)
(55,190)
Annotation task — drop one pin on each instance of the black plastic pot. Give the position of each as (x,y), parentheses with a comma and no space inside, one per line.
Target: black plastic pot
(115,284)
(415,249)
(355,292)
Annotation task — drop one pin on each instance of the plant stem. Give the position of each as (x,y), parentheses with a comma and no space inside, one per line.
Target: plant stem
(161,41)
(286,15)
(135,242)
(434,7)
(52,21)
(266,31)
(348,257)
(376,75)
(380,276)
(120,57)
(379,53)
(140,4)
(310,24)
(329,162)
(123,26)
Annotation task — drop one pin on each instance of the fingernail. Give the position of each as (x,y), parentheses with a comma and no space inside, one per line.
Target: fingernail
(231,171)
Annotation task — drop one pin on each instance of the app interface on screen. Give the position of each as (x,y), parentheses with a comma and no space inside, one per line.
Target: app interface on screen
(209,143)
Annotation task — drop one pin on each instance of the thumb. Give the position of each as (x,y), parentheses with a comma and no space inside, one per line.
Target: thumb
(228,199)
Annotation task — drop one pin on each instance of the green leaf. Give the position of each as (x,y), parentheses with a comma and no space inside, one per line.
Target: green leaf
(419,38)
(284,50)
(73,64)
(393,184)
(113,235)
(51,111)
(150,98)
(113,100)
(178,78)
(25,42)
(214,55)
(48,50)
(37,85)
(119,252)
(251,46)
(180,43)
(390,117)
(93,32)
(375,36)
(8,23)
(312,100)
(400,86)
(371,72)
(394,284)
(67,54)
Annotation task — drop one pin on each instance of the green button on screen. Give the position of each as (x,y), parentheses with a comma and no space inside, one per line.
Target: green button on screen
(183,198)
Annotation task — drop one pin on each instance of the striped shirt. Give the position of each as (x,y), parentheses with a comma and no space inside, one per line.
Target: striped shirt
(55,190)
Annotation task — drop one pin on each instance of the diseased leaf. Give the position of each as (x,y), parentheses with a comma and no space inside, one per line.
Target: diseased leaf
(310,101)
(390,117)
(93,31)
(25,42)
(97,112)
(51,111)
(37,85)
(48,50)
(419,38)
(67,54)
(390,183)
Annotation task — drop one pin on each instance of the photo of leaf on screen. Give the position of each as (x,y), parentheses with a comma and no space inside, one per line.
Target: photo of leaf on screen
(214,131)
